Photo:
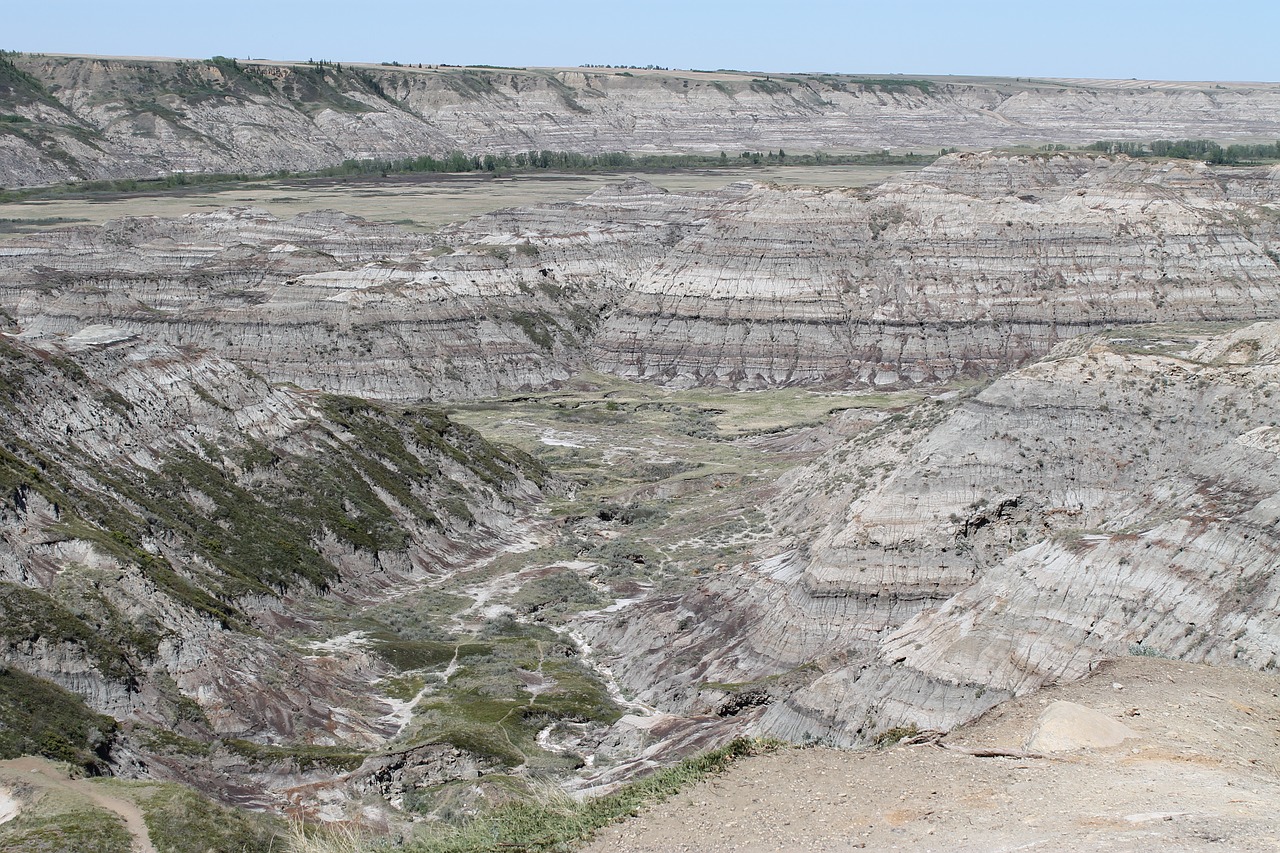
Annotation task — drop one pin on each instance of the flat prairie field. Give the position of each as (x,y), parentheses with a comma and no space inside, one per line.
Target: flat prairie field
(425,201)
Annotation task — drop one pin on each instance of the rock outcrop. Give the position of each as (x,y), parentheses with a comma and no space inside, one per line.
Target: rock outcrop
(1120,496)
(87,117)
(964,269)
(169,518)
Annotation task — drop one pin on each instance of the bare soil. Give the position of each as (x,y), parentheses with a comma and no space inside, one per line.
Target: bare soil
(1203,773)
(45,774)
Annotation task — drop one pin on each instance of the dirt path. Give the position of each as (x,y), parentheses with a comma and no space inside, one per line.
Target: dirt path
(1202,773)
(127,810)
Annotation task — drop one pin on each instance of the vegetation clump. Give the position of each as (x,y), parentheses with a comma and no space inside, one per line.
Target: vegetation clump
(38,717)
(556,594)
(1193,149)
(304,756)
(563,824)
(181,821)
(82,829)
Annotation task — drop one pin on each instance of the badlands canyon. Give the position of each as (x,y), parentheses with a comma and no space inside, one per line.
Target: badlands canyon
(363,523)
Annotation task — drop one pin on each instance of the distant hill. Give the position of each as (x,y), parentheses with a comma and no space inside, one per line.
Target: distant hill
(66,118)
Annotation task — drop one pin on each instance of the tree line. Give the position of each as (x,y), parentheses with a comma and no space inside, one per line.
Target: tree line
(459,161)
(1192,149)
(571,161)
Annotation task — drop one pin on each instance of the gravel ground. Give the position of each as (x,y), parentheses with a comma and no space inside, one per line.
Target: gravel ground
(1202,772)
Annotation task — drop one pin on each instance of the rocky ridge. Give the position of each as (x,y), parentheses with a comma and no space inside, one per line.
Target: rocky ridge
(325,301)
(98,117)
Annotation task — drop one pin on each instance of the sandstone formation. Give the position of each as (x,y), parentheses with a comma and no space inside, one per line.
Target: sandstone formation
(89,117)
(1067,726)
(971,266)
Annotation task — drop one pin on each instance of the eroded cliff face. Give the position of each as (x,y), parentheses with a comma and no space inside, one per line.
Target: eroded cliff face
(115,118)
(966,269)
(1119,496)
(969,267)
(169,521)
(325,301)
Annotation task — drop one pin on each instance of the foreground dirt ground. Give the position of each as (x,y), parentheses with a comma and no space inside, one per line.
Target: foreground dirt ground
(1202,772)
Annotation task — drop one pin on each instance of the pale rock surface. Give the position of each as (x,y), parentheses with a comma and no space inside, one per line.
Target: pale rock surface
(1120,494)
(1066,726)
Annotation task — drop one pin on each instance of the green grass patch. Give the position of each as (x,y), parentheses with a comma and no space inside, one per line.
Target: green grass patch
(181,821)
(171,743)
(894,85)
(556,595)
(403,687)
(14,225)
(419,615)
(485,709)
(79,829)
(406,655)
(304,756)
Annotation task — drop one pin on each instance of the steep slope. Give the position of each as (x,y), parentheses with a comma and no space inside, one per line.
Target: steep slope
(1119,495)
(168,523)
(327,301)
(94,117)
(966,268)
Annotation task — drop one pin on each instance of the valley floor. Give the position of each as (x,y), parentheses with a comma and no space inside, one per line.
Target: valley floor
(1202,772)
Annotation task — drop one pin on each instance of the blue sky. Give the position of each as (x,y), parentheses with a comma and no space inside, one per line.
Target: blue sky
(1083,38)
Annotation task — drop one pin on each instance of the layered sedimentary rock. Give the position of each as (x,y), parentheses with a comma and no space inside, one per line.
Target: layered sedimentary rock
(167,517)
(78,117)
(1120,496)
(329,302)
(963,270)
(968,267)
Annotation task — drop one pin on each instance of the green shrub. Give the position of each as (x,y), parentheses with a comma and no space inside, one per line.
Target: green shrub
(181,821)
(41,719)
